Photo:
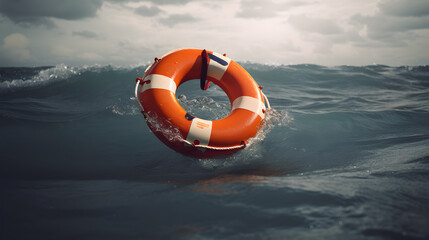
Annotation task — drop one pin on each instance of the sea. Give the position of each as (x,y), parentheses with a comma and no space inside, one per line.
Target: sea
(343,154)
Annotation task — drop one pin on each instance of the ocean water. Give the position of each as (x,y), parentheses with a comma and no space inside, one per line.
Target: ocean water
(344,154)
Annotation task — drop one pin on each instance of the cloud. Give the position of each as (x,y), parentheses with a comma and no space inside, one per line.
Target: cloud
(30,12)
(386,24)
(172,2)
(276,31)
(257,9)
(90,56)
(265,9)
(289,46)
(394,25)
(157,2)
(62,51)
(86,34)
(316,25)
(177,19)
(15,47)
(147,11)
(405,8)
(388,31)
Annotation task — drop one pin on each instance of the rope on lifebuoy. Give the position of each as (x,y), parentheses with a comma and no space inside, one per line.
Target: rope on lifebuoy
(266,101)
(243,145)
(136,92)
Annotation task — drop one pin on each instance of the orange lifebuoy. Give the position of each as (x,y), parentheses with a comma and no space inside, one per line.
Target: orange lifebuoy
(191,135)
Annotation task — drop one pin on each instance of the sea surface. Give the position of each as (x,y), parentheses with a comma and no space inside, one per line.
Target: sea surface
(344,154)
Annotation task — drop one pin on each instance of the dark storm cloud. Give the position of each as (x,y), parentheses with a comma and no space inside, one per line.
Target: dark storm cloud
(32,12)
(177,19)
(405,8)
(85,34)
(147,11)
(40,12)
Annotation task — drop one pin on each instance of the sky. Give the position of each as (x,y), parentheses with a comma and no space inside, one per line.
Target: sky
(133,32)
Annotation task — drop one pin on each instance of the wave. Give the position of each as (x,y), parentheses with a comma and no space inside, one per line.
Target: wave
(18,78)
(343,151)
(43,77)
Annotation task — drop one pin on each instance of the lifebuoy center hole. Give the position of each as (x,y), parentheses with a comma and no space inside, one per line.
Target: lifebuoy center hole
(211,104)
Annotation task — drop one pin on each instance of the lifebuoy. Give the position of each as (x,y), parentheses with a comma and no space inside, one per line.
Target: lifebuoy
(190,135)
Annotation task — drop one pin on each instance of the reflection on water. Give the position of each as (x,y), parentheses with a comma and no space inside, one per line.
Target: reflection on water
(217,184)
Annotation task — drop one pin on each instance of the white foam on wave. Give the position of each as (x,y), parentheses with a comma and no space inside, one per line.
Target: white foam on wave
(170,132)
(58,73)
(124,110)
(272,120)
(254,150)
(44,77)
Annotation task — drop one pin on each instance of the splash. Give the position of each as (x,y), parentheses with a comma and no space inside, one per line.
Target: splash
(254,150)
(204,107)
(44,77)
(208,108)
(125,109)
(272,120)
(168,130)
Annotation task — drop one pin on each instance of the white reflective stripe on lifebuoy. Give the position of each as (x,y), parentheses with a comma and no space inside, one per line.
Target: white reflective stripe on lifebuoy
(249,103)
(218,65)
(159,82)
(200,132)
